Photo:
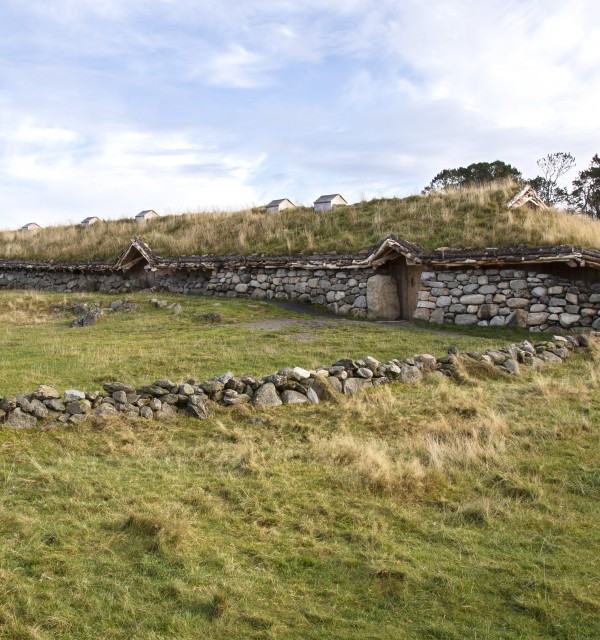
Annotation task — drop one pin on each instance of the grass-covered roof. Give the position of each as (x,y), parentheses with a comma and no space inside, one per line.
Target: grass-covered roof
(469,218)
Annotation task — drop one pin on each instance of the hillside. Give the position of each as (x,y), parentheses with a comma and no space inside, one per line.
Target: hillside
(448,509)
(469,218)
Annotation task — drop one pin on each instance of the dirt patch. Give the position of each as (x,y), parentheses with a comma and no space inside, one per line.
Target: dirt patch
(274,324)
(302,337)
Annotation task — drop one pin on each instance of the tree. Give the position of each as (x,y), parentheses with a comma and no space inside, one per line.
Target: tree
(586,189)
(475,174)
(553,167)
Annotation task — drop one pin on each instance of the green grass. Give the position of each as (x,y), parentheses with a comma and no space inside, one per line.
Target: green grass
(153,343)
(442,510)
(474,217)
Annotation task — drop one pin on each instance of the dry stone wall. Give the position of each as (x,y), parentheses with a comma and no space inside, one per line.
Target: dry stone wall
(164,399)
(343,292)
(507,297)
(484,297)
(64,281)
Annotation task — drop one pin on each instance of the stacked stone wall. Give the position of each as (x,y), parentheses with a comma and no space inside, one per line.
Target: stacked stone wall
(524,298)
(64,281)
(507,297)
(343,292)
(163,399)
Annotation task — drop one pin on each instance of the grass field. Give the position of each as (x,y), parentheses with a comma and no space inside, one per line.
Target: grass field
(443,510)
(474,217)
(254,338)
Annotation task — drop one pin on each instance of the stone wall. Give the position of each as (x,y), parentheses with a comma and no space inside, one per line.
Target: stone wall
(164,399)
(507,297)
(63,281)
(344,292)
(486,297)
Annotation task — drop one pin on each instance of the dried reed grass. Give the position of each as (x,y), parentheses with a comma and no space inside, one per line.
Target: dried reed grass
(475,217)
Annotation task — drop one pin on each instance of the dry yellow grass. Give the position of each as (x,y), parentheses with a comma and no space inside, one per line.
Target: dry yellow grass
(26,309)
(468,435)
(473,217)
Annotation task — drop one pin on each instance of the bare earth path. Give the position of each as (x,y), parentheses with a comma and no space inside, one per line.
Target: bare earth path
(321,319)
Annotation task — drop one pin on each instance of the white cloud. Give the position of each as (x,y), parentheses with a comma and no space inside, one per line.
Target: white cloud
(116,106)
(119,174)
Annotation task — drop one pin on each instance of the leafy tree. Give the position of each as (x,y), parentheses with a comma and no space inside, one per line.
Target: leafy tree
(475,174)
(586,189)
(553,167)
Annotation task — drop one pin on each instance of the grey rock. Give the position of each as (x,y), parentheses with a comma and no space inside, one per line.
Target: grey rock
(238,398)
(410,374)
(472,299)
(199,410)
(371,363)
(54,404)
(266,396)
(557,302)
(186,389)
(487,311)
(300,373)
(312,396)
(119,396)
(548,356)
(421,314)
(465,319)
(37,409)
(426,362)
(8,403)
(517,303)
(89,318)
(78,406)
(488,288)
(518,285)
(111,387)
(512,366)
(212,386)
(333,382)
(77,418)
(44,392)
(517,319)
(17,419)
(437,316)
(363,372)
(167,412)
(352,385)
(72,395)
(568,319)
(534,319)
(293,397)
(166,384)
(382,297)
(104,410)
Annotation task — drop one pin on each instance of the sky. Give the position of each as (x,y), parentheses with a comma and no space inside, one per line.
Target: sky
(110,107)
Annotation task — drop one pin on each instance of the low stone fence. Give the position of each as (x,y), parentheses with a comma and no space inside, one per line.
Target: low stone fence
(165,399)
(507,297)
